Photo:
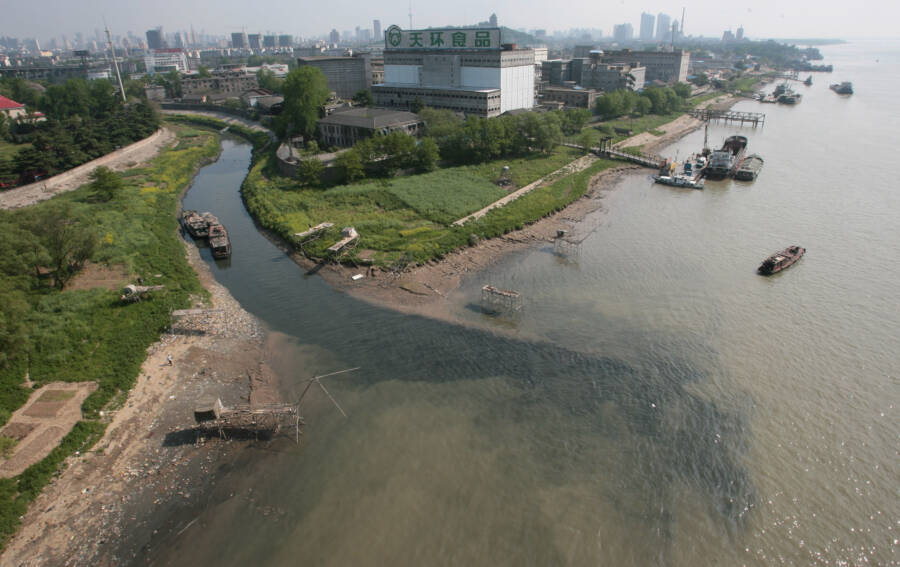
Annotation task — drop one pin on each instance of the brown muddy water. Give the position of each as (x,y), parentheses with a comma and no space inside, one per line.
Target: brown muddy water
(655,403)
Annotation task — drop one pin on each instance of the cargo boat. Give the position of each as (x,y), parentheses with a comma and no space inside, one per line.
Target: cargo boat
(195,223)
(219,242)
(780,260)
(749,168)
(843,88)
(723,162)
(790,97)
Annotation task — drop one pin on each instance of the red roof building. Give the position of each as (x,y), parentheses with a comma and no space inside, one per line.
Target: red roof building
(11,108)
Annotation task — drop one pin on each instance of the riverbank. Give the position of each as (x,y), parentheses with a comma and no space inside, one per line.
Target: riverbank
(423,290)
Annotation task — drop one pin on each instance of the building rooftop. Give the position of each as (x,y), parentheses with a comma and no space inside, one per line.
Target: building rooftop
(9,104)
(372,118)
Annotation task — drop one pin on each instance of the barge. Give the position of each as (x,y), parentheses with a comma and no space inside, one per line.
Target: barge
(683,181)
(749,168)
(195,224)
(781,260)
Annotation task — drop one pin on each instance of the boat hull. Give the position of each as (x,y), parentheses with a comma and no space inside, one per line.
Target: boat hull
(781,261)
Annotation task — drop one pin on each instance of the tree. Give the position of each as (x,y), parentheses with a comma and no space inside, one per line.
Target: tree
(203,72)
(69,239)
(351,165)
(305,93)
(427,155)
(363,98)
(683,90)
(268,80)
(105,185)
(588,139)
(310,171)
(416,105)
(700,79)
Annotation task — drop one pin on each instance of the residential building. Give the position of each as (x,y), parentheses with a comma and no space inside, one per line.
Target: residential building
(334,37)
(647,20)
(540,54)
(254,41)
(740,34)
(12,109)
(239,40)
(571,97)
(376,26)
(663,66)
(345,128)
(270,41)
(285,40)
(584,50)
(155,39)
(623,33)
(228,82)
(663,28)
(462,69)
(165,60)
(346,76)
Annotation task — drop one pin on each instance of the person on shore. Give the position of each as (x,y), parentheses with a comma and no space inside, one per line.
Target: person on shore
(169,359)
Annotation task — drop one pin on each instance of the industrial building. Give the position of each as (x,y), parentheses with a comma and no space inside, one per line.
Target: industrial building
(663,66)
(594,73)
(571,97)
(226,82)
(347,127)
(463,69)
(165,60)
(346,76)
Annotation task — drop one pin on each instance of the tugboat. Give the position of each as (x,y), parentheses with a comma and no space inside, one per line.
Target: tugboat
(780,260)
(195,223)
(844,88)
(723,162)
(219,242)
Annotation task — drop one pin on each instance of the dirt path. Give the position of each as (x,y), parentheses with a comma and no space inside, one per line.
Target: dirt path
(134,155)
(575,166)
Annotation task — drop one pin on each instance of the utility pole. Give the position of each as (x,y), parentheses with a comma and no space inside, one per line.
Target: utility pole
(115,63)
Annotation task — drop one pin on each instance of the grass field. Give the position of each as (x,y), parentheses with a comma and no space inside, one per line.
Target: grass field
(404,219)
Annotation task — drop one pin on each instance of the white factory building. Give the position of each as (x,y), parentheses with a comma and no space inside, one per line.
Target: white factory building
(465,70)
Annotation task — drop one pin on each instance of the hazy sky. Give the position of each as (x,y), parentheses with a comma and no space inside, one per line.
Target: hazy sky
(761,18)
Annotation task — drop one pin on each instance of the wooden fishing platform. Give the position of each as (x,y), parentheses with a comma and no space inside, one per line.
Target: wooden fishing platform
(496,300)
(313,231)
(349,236)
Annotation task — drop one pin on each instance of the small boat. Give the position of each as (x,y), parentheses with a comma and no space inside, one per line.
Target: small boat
(808,81)
(679,181)
(843,88)
(219,242)
(749,168)
(723,162)
(780,260)
(195,223)
(790,97)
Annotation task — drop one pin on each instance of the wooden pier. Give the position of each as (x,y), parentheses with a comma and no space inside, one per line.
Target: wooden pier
(729,116)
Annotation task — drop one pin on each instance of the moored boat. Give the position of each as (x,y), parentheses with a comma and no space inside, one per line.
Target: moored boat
(781,260)
(723,162)
(808,81)
(679,181)
(195,223)
(749,168)
(219,243)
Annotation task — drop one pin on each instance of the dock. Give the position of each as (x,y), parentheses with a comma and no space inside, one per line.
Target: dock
(729,116)
(349,236)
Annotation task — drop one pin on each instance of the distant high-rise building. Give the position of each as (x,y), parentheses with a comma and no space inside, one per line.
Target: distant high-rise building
(254,41)
(493,20)
(239,40)
(154,39)
(356,35)
(663,27)
(376,25)
(647,21)
(334,37)
(623,32)
(728,36)
(180,40)
(270,41)
(740,33)
(285,40)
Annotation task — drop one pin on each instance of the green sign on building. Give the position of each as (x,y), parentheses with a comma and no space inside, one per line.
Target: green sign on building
(454,38)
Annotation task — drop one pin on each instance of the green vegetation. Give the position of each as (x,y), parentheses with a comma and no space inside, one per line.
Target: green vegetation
(305,92)
(7,444)
(653,100)
(88,334)
(408,219)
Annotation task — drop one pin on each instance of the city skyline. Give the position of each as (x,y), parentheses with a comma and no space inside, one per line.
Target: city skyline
(704,17)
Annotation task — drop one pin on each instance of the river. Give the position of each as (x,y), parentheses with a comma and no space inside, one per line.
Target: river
(655,403)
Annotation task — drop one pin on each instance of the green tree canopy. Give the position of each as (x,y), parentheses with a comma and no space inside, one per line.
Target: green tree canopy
(305,93)
(105,184)
(363,98)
